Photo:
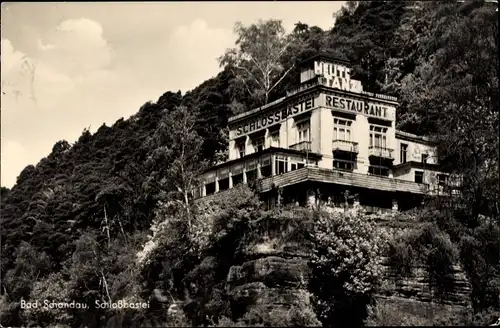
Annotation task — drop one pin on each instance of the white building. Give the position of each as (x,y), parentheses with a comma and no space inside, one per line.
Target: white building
(325,138)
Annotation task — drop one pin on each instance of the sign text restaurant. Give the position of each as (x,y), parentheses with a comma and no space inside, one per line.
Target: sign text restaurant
(306,104)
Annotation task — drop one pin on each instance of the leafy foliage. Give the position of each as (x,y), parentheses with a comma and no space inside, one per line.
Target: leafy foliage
(346,266)
(386,314)
(428,247)
(257,59)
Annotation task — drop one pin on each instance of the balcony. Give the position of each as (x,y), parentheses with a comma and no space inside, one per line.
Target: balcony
(302,146)
(343,178)
(335,177)
(347,146)
(380,152)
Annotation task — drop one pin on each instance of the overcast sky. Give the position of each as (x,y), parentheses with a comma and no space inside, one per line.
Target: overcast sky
(70,66)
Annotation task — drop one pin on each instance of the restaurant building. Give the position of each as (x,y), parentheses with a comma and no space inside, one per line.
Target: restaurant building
(328,140)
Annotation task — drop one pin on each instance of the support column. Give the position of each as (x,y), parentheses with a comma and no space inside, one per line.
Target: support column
(273,165)
(279,194)
(311,198)
(395,206)
(356,207)
(216,184)
(244,176)
(259,173)
(203,190)
(230,179)
(356,202)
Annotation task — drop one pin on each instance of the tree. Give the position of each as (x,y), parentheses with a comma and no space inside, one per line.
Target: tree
(454,94)
(176,159)
(4,192)
(363,33)
(29,266)
(54,289)
(346,265)
(256,59)
(347,9)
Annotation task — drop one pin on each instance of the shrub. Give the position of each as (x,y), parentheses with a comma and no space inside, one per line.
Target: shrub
(387,314)
(55,289)
(346,266)
(428,247)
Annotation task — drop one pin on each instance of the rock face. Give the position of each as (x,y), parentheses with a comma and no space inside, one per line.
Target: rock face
(414,294)
(418,288)
(272,276)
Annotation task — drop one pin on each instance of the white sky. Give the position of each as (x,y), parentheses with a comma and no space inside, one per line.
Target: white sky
(97,62)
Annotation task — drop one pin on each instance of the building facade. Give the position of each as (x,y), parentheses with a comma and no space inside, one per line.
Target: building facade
(328,139)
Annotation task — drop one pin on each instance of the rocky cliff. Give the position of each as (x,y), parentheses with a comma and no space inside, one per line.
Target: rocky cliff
(272,272)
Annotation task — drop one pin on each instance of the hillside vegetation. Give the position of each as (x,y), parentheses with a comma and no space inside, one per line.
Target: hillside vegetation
(110,218)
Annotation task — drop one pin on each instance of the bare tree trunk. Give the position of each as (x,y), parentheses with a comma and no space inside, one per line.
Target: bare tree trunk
(186,200)
(106,286)
(107,226)
(121,228)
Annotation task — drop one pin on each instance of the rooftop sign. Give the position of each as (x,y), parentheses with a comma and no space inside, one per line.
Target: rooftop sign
(274,117)
(358,106)
(337,76)
(342,103)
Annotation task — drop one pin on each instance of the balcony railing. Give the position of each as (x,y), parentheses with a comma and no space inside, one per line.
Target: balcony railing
(302,146)
(380,152)
(344,145)
(343,178)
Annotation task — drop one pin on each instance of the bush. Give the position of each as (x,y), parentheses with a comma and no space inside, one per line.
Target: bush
(297,315)
(401,258)
(55,289)
(346,266)
(427,247)
(387,314)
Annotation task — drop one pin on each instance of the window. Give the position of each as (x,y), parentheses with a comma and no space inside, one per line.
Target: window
(223,178)
(281,164)
(303,128)
(442,179)
(210,188)
(343,165)
(237,174)
(341,129)
(275,139)
(378,170)
(424,158)
(265,166)
(404,151)
(419,177)
(251,171)
(210,183)
(224,184)
(241,149)
(294,167)
(251,165)
(251,176)
(378,137)
(258,144)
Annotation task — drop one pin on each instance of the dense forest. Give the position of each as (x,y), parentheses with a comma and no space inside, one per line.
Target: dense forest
(110,217)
